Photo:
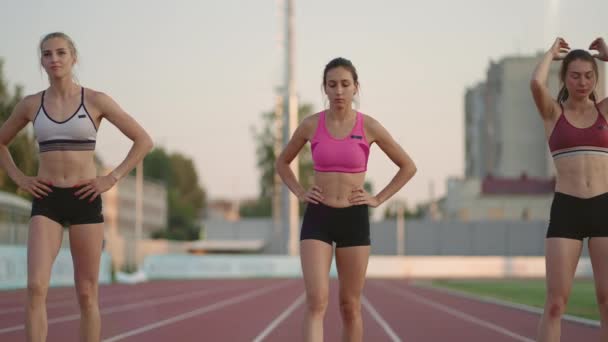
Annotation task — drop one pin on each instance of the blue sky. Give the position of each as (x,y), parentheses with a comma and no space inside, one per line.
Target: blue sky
(198,74)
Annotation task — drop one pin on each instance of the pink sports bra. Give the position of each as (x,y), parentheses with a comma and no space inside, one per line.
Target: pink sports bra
(349,154)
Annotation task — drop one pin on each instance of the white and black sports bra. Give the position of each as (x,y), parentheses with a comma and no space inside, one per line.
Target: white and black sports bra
(77,133)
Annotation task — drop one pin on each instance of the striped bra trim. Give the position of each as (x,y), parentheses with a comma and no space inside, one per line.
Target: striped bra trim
(66,145)
(565,152)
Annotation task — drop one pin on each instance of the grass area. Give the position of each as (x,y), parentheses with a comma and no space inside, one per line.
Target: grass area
(582,302)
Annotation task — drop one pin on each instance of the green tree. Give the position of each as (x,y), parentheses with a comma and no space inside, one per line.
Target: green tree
(185,181)
(22,148)
(157,166)
(185,197)
(264,138)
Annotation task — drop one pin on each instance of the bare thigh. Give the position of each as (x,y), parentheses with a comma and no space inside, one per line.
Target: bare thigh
(352,265)
(315,257)
(598,251)
(43,244)
(561,259)
(86,245)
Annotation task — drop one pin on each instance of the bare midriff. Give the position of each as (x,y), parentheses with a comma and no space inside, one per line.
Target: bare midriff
(337,187)
(67,168)
(582,176)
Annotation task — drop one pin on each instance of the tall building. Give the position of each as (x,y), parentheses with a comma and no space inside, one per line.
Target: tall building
(474,132)
(504,132)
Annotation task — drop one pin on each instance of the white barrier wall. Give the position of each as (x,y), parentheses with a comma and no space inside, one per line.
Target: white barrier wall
(13,268)
(239,266)
(179,266)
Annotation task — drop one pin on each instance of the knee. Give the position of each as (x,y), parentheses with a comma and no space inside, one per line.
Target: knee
(87,293)
(37,290)
(316,303)
(350,308)
(556,305)
(602,302)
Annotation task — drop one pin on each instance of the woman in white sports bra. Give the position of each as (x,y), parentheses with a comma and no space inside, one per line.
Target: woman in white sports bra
(67,188)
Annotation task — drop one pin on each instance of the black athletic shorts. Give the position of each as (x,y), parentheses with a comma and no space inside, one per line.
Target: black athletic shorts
(63,207)
(347,227)
(577,218)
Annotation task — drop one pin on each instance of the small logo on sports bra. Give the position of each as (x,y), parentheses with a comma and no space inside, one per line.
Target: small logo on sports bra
(82,116)
(357,137)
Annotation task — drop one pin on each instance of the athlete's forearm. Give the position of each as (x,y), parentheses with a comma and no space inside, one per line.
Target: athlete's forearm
(289,178)
(8,164)
(403,176)
(541,73)
(138,151)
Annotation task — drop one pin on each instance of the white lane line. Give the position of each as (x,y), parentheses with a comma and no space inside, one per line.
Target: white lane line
(200,311)
(456,313)
(280,318)
(387,328)
(126,307)
(73,302)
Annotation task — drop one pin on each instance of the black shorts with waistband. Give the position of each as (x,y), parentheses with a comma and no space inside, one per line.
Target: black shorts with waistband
(577,218)
(347,227)
(63,207)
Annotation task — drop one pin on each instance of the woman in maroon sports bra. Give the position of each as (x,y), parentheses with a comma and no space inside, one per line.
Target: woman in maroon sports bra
(577,132)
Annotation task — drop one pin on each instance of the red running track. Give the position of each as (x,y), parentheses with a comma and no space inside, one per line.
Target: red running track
(272,310)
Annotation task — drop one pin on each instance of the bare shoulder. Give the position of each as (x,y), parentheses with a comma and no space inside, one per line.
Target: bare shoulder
(310,120)
(28,106)
(373,128)
(95,97)
(369,121)
(308,126)
(603,106)
(101,103)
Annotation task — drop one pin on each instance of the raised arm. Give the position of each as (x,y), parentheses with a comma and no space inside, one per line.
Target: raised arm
(547,106)
(601,47)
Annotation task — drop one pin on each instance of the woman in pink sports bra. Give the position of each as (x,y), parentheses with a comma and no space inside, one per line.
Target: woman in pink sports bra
(577,132)
(337,204)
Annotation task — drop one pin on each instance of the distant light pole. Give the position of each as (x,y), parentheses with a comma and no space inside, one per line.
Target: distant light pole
(399,208)
(139,192)
(289,203)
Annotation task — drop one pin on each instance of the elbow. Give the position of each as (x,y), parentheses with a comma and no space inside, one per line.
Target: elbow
(147,143)
(535,85)
(4,148)
(278,165)
(407,170)
(410,169)
(413,170)
(281,166)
